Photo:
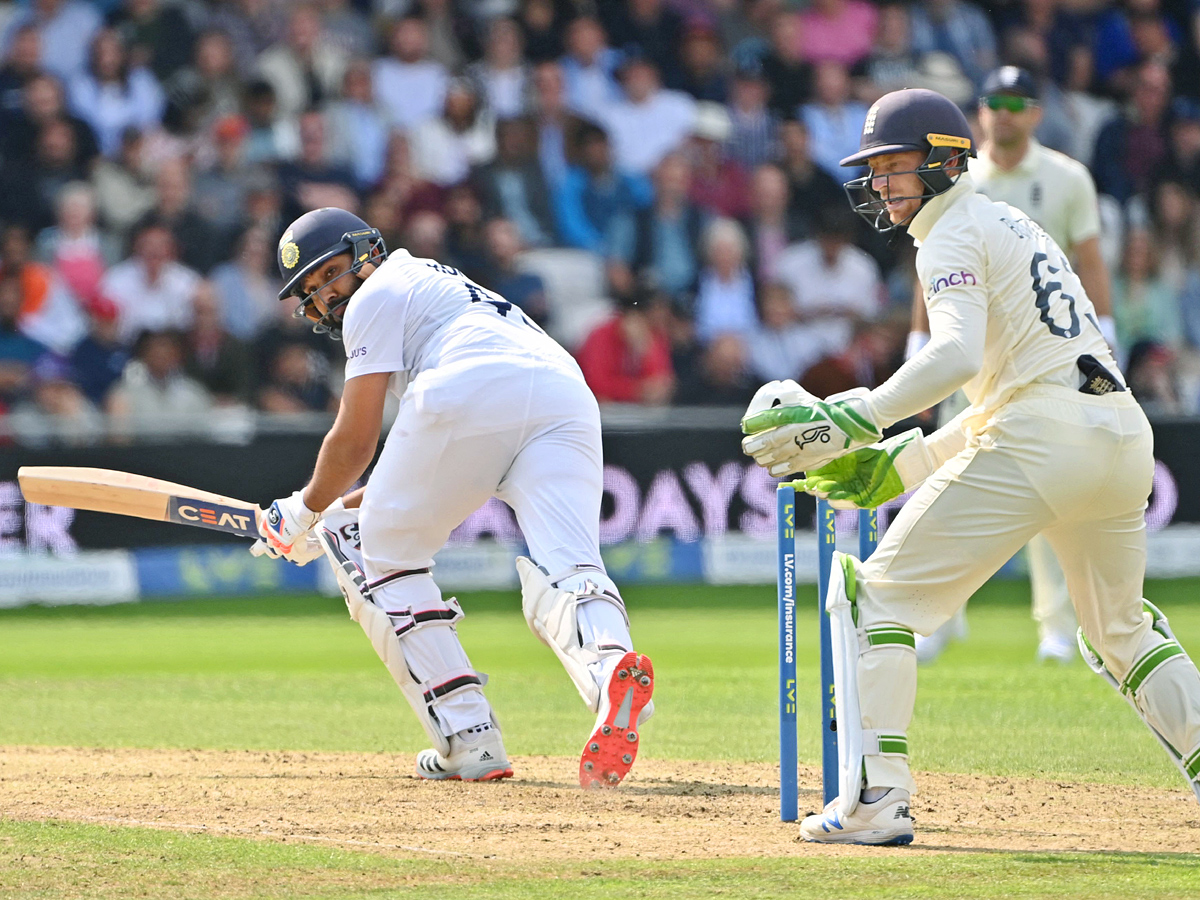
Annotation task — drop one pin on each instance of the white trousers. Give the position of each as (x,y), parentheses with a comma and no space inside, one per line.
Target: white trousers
(1052,610)
(1074,467)
(526,432)
(1048,585)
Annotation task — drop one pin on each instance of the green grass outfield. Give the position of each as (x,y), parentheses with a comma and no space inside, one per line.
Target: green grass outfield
(297,674)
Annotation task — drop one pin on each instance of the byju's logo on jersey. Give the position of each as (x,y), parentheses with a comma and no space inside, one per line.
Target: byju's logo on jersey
(954,279)
(357,352)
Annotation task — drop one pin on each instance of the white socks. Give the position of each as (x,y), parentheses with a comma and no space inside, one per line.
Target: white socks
(872,794)
(475,732)
(602,624)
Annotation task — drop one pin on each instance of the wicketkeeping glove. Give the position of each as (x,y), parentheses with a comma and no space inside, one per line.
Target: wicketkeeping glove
(798,432)
(871,476)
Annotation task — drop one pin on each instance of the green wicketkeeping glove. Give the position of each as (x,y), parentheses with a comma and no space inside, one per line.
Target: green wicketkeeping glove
(871,476)
(796,432)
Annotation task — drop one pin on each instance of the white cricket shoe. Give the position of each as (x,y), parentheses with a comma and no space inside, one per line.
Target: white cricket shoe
(612,748)
(475,755)
(1057,649)
(886,821)
(930,648)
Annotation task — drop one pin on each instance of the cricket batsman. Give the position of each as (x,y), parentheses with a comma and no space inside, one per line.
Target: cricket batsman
(489,406)
(1052,443)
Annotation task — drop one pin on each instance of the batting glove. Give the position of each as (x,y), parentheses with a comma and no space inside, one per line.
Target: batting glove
(805,435)
(304,551)
(283,526)
(871,476)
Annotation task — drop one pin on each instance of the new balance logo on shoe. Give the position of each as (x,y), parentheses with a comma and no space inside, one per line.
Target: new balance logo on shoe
(901,812)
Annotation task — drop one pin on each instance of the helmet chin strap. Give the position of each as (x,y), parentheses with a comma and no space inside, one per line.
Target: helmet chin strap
(956,160)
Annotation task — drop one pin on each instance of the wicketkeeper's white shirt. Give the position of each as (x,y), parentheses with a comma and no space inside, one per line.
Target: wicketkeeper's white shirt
(999,292)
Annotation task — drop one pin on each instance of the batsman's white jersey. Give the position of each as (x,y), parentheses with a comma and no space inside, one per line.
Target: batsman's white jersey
(1032,454)
(489,404)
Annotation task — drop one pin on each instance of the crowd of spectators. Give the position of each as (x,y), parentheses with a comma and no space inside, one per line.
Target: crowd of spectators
(656,181)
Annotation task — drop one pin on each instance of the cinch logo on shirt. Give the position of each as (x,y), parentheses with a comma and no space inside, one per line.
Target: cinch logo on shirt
(952,280)
(356,352)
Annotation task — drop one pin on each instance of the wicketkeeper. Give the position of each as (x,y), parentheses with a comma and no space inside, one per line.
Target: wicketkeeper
(1053,443)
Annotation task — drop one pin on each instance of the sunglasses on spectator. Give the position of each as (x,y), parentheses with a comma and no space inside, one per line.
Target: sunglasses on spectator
(1010,102)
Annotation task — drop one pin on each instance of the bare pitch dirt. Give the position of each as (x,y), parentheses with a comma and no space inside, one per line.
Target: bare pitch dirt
(665,809)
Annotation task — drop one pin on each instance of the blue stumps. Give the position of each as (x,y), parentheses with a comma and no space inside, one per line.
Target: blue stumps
(868,537)
(789,789)
(826,544)
(868,532)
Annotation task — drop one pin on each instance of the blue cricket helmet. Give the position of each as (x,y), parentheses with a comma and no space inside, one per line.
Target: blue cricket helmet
(911,119)
(312,240)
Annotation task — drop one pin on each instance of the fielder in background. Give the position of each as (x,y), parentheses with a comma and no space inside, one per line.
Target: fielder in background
(1051,444)
(1058,193)
(489,406)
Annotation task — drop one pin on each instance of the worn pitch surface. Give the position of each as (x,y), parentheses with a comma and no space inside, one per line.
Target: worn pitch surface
(665,810)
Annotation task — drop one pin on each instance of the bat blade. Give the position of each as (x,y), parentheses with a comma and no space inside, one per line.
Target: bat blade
(127,494)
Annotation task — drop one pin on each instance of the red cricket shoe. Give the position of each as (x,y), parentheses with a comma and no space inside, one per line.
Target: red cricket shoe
(612,748)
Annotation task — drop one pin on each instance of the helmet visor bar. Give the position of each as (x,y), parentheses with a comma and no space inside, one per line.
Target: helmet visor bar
(364,248)
(869,203)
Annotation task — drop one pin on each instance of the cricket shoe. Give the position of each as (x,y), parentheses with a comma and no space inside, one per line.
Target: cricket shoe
(613,746)
(476,754)
(1056,649)
(886,821)
(931,647)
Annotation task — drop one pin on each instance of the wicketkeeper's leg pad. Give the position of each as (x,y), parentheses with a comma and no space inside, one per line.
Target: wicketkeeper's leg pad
(1163,686)
(412,629)
(874,674)
(579,615)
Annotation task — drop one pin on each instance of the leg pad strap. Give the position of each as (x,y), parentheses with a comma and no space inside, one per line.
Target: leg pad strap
(884,743)
(430,670)
(551,608)
(1139,677)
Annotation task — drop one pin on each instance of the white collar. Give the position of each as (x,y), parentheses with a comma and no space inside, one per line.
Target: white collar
(922,223)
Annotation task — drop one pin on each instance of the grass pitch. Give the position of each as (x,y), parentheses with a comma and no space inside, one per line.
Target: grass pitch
(295,673)
(97,863)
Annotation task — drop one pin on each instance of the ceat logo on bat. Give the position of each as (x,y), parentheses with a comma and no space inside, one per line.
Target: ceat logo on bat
(212,515)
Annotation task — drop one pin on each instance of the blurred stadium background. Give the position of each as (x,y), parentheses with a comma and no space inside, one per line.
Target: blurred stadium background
(655,181)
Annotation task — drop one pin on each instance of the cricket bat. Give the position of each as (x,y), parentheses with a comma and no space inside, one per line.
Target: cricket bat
(126,494)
